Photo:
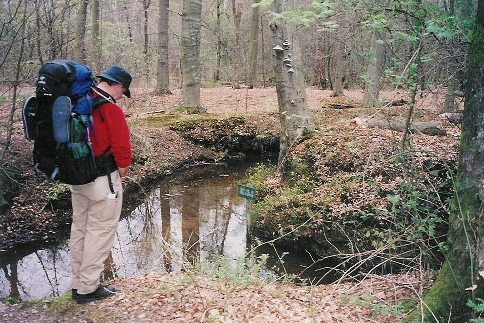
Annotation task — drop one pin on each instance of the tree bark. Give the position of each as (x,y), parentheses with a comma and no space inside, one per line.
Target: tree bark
(190,55)
(38,33)
(146,6)
(461,277)
(451,80)
(338,60)
(96,36)
(218,34)
(81,32)
(49,12)
(162,70)
(449,103)
(128,24)
(237,17)
(254,35)
(374,71)
(291,94)
(20,39)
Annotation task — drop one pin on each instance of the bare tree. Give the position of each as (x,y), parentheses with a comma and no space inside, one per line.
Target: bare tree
(190,55)
(14,54)
(162,70)
(253,42)
(128,23)
(456,62)
(146,6)
(291,94)
(80,54)
(374,71)
(96,36)
(218,34)
(237,13)
(338,67)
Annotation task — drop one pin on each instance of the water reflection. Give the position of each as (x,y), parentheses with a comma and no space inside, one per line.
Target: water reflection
(42,273)
(195,221)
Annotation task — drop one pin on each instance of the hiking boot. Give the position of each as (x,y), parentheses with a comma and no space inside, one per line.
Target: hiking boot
(74,291)
(100,293)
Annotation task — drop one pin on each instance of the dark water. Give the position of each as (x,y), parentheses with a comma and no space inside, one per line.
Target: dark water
(193,217)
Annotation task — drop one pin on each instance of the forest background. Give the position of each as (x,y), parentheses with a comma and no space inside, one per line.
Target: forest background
(414,46)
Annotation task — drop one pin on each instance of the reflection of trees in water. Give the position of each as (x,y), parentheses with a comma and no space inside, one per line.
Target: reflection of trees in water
(179,222)
(150,235)
(34,274)
(190,216)
(165,228)
(217,211)
(182,223)
(53,282)
(109,272)
(139,243)
(172,229)
(12,278)
(195,222)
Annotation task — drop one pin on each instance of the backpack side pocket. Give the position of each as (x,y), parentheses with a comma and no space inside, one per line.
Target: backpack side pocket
(77,171)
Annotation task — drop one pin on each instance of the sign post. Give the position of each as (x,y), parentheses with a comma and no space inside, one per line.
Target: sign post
(249,194)
(246,192)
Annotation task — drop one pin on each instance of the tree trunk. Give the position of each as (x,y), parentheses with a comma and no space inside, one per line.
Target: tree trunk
(451,80)
(146,6)
(38,33)
(81,32)
(162,71)
(291,94)
(449,103)
(461,277)
(128,24)
(49,12)
(190,210)
(96,36)
(4,148)
(218,34)
(262,40)
(254,35)
(237,17)
(338,67)
(190,55)
(165,210)
(374,71)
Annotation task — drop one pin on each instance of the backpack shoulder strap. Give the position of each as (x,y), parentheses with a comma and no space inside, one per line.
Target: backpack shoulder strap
(100,100)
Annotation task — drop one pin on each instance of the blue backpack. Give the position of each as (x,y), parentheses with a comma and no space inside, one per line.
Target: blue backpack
(58,118)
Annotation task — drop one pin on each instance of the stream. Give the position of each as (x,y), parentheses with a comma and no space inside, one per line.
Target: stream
(195,216)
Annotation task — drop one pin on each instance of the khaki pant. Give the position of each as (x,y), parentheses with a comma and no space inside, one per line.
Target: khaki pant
(94,222)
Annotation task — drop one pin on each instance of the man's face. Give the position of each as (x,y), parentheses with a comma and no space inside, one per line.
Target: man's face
(119,90)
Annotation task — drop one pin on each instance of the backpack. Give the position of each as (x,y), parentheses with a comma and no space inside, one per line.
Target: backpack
(58,120)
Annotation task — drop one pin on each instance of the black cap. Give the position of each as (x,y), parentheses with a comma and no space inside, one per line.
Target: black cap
(118,74)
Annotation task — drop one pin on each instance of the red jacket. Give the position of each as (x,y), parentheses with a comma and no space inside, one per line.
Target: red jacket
(111,130)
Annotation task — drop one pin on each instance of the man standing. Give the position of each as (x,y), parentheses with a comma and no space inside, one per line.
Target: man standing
(97,205)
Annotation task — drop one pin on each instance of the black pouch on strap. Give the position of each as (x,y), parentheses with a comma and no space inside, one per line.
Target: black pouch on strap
(106,164)
(76,170)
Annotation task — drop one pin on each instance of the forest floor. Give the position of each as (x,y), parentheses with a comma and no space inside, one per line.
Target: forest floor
(191,298)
